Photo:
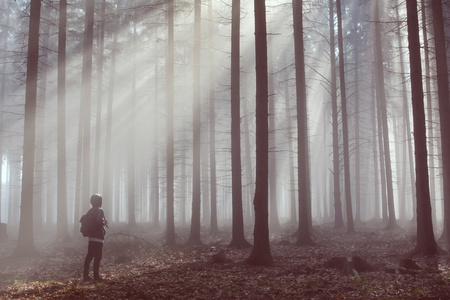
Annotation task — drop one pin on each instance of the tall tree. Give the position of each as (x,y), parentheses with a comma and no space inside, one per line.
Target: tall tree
(407,121)
(214,228)
(100,60)
(154,176)
(356,41)
(62,231)
(86,84)
(170,217)
(238,238)
(25,242)
(430,118)
(304,189)
(131,147)
(40,166)
(338,219)
(194,237)
(107,172)
(274,220)
(2,99)
(260,254)
(348,198)
(426,243)
(444,106)
(381,96)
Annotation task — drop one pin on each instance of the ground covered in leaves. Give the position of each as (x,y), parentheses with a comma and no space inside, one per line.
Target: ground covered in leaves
(369,264)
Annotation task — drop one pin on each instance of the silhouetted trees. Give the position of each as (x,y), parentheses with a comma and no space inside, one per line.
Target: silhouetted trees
(261,247)
(25,242)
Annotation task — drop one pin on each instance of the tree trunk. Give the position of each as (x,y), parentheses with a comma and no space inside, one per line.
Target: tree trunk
(392,223)
(40,167)
(444,107)
(154,176)
(101,43)
(376,172)
(407,121)
(338,219)
(194,237)
(304,190)
(238,238)
(107,173)
(214,228)
(131,147)
(348,202)
(25,241)
(62,231)
(292,200)
(426,243)
(261,248)
(274,221)
(2,101)
(86,83)
(429,113)
(170,222)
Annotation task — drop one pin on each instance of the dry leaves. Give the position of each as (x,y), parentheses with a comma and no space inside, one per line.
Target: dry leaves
(135,269)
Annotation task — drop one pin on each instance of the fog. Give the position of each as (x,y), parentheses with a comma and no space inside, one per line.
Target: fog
(139,93)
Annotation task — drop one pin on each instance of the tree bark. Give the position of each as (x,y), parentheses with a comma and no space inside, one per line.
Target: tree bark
(381,96)
(338,219)
(62,231)
(25,241)
(107,173)
(350,224)
(260,254)
(170,222)
(238,238)
(101,46)
(214,228)
(304,189)
(131,143)
(426,243)
(444,107)
(86,83)
(194,237)
(429,112)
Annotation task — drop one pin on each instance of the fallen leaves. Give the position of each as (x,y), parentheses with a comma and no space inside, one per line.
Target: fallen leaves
(142,268)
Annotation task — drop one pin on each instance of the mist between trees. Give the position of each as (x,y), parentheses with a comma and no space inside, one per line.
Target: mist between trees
(184,114)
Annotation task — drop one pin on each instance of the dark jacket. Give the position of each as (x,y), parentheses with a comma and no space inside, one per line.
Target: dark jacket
(99,231)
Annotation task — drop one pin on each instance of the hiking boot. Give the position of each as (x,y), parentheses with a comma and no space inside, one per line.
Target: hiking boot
(87,278)
(98,279)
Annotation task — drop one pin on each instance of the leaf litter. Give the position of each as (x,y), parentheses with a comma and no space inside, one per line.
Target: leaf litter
(137,265)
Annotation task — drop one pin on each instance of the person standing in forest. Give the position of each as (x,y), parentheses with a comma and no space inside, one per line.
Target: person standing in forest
(96,233)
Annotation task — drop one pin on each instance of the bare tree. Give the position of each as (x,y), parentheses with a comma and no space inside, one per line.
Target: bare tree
(238,238)
(214,228)
(348,198)
(426,243)
(304,189)
(170,226)
(261,248)
(194,237)
(381,97)
(62,232)
(444,106)
(25,242)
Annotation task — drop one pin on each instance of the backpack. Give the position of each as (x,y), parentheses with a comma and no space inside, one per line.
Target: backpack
(88,223)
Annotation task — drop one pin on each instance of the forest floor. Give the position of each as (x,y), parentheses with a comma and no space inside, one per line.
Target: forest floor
(136,265)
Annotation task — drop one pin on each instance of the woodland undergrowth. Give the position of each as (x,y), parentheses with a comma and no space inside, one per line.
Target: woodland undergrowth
(137,265)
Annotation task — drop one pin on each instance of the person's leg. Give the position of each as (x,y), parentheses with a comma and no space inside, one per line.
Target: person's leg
(87,260)
(97,259)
